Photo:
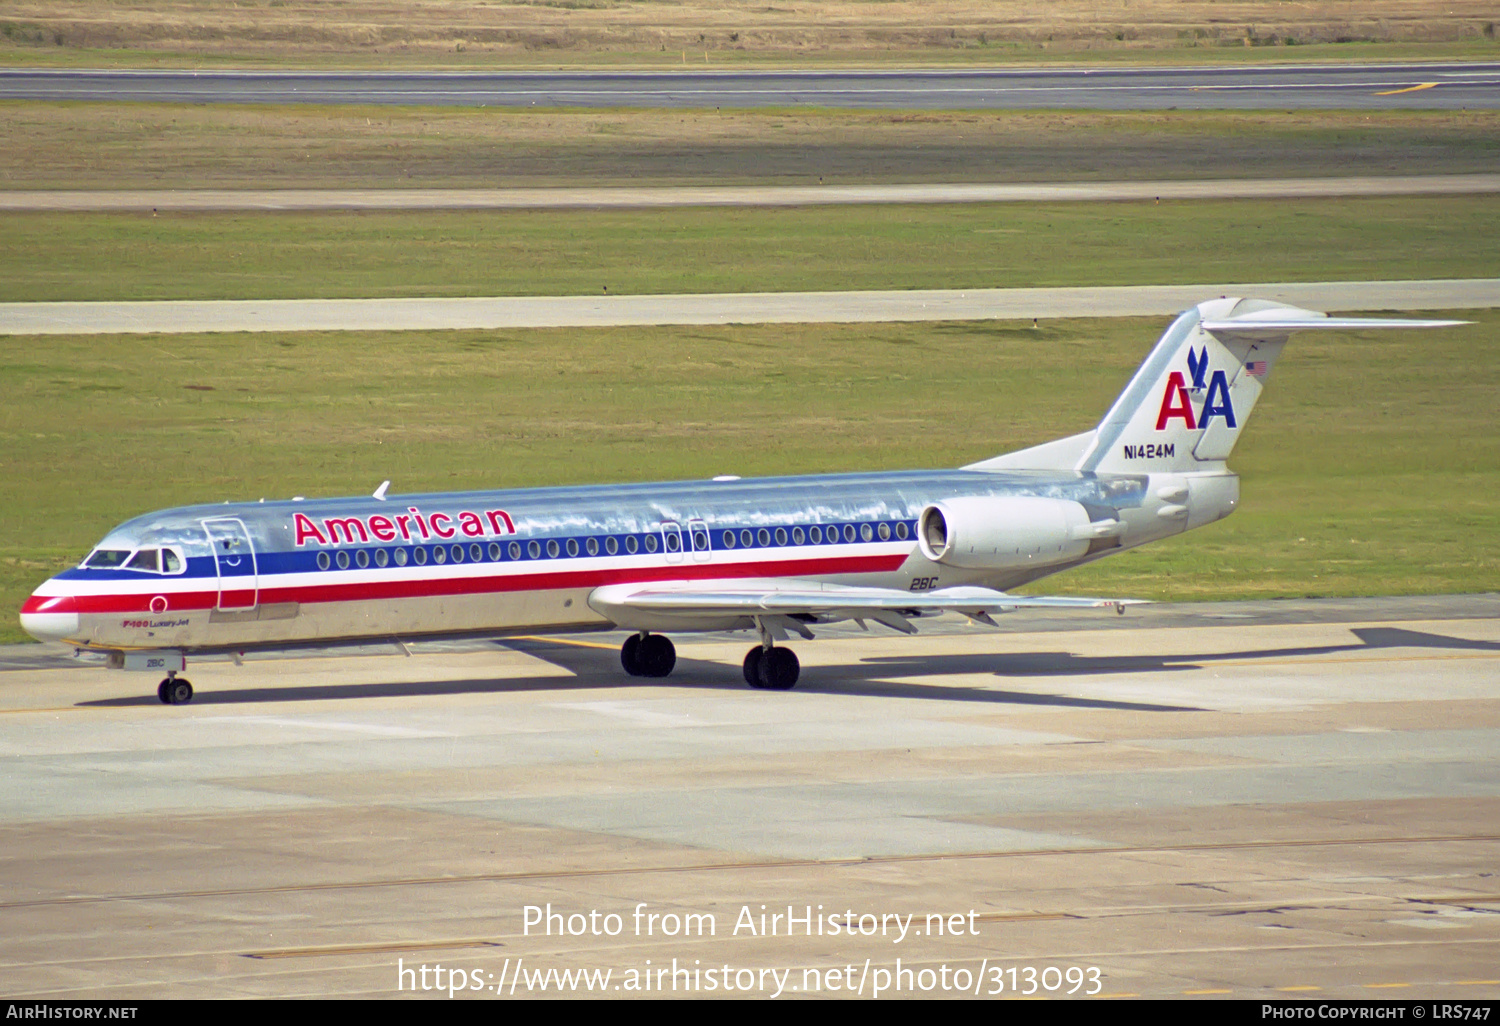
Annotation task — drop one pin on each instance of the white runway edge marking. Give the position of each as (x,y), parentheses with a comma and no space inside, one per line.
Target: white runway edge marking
(180,316)
(738,196)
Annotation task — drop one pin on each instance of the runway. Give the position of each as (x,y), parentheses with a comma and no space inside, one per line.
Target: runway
(728,308)
(1255,800)
(627,198)
(1409,86)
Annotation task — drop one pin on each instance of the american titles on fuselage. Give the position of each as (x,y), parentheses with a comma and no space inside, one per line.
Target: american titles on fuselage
(410,526)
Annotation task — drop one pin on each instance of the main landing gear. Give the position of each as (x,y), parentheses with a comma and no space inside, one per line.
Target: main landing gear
(651,655)
(773,669)
(174,691)
(648,655)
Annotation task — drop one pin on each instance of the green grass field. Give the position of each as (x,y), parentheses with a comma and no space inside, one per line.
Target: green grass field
(160,146)
(1371,467)
(65,256)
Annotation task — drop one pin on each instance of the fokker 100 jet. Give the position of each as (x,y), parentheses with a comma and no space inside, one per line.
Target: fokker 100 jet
(778,556)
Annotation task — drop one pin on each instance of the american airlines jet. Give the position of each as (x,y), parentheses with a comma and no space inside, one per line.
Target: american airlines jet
(778,556)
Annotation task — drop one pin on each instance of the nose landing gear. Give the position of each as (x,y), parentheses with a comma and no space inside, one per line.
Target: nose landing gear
(174,691)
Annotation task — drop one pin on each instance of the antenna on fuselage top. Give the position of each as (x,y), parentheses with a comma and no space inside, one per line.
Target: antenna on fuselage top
(380,492)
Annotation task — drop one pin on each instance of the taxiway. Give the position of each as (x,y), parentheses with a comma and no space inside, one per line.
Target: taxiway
(461,313)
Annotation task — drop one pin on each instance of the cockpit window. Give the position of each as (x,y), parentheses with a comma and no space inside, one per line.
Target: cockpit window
(146,559)
(107,559)
(151,561)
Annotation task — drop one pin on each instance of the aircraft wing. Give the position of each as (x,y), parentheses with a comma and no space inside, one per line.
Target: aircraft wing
(794,603)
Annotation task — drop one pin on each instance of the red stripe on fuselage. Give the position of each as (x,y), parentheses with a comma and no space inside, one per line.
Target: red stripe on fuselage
(365,591)
(184,601)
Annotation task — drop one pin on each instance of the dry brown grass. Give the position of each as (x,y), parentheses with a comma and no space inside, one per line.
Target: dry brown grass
(106,146)
(565,29)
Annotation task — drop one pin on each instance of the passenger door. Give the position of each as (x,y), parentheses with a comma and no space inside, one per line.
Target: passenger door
(234,556)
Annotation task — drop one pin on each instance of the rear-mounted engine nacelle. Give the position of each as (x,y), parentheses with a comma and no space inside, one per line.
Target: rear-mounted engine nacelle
(990,533)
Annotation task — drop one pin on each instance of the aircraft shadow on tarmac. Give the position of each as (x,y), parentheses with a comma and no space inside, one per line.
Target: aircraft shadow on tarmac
(594,667)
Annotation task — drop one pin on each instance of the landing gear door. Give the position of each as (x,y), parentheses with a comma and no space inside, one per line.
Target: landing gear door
(234,556)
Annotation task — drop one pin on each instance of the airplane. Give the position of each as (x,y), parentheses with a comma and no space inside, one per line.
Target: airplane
(778,556)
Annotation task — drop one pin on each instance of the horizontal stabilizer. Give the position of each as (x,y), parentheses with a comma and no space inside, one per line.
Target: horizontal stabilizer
(1250,326)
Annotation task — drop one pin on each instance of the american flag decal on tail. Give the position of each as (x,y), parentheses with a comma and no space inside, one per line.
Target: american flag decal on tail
(1256,368)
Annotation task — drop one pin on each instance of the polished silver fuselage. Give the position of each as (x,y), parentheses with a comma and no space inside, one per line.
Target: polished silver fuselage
(277,574)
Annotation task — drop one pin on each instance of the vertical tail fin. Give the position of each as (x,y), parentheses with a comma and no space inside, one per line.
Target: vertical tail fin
(1186,406)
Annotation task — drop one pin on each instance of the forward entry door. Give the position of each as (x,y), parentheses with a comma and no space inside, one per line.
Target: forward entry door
(234,556)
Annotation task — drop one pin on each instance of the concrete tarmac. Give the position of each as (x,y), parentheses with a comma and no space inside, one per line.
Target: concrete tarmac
(1253,800)
(172,316)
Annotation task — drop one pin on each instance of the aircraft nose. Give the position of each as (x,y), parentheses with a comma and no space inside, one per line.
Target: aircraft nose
(50,617)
